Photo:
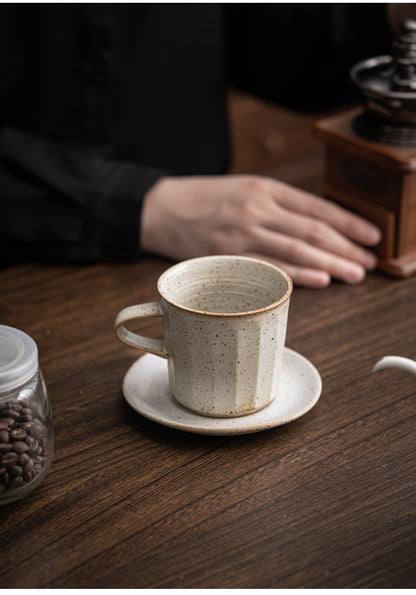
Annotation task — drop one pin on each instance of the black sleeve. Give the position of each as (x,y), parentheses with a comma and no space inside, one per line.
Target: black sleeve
(60,204)
(300,55)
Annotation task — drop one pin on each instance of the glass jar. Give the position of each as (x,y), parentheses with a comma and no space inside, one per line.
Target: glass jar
(26,427)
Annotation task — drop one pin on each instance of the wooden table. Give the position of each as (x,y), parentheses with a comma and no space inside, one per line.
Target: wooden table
(327,501)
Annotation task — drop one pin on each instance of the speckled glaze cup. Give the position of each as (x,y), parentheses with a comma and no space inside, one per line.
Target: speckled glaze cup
(225,320)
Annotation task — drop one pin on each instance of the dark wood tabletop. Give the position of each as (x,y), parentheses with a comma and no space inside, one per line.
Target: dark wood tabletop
(328,500)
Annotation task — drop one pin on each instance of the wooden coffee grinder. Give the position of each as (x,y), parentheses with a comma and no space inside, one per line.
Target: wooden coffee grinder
(371,151)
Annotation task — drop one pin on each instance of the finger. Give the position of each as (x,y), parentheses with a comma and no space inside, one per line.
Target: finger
(301,276)
(320,234)
(350,224)
(297,252)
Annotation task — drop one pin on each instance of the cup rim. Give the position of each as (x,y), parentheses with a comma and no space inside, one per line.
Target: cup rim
(264,263)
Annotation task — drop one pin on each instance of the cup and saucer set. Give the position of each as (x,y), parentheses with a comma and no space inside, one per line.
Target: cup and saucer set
(222,367)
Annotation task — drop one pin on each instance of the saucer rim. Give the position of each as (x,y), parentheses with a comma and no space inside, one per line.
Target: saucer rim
(240,424)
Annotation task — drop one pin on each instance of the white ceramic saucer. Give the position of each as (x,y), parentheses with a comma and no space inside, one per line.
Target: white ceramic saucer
(146,389)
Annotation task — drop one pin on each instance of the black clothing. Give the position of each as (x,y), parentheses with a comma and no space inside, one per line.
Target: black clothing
(100,100)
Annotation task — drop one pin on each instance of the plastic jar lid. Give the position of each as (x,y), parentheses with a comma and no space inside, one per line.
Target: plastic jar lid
(18,357)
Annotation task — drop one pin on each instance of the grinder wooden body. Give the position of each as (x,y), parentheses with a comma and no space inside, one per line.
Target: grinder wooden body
(377,181)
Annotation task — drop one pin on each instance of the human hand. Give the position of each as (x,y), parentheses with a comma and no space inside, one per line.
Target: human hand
(313,239)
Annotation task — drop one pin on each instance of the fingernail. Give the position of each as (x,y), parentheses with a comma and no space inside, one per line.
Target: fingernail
(322,280)
(370,262)
(354,274)
(373,235)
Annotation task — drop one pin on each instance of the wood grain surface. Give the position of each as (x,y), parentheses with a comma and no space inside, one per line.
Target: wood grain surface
(326,501)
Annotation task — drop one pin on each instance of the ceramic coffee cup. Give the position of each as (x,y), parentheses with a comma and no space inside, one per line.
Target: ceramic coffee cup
(225,320)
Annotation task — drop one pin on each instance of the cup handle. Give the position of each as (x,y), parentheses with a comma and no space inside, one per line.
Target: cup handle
(149,310)
(396,361)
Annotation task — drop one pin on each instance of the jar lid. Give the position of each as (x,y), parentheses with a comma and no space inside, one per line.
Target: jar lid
(18,357)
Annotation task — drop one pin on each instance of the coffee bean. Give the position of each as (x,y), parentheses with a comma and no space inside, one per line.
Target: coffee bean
(38,429)
(30,441)
(24,459)
(29,465)
(17,434)
(38,460)
(10,458)
(34,448)
(29,475)
(25,418)
(17,482)
(38,466)
(16,470)
(8,412)
(3,424)
(5,447)
(4,436)
(20,447)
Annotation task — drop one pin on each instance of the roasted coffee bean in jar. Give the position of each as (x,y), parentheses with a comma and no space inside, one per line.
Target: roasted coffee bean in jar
(26,427)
